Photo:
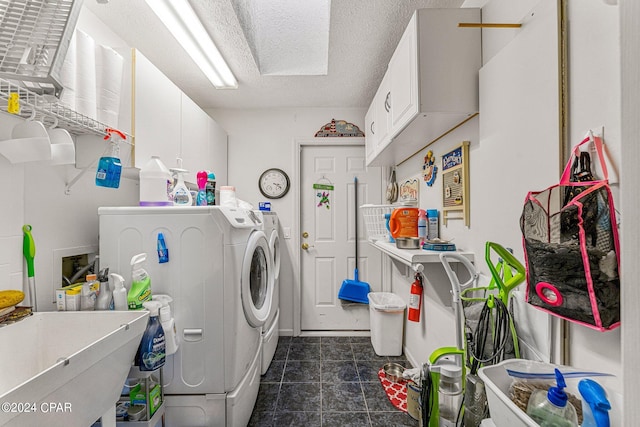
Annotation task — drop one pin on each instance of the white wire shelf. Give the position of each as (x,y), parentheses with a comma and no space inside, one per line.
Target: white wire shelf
(51,114)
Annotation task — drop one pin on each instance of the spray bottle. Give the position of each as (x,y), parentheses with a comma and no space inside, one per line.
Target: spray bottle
(140,283)
(180,194)
(595,405)
(151,353)
(110,167)
(553,407)
(119,292)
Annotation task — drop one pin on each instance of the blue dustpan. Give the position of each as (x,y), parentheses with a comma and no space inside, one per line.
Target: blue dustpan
(354,290)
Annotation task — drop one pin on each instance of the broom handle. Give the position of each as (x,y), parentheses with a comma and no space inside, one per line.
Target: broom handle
(355,197)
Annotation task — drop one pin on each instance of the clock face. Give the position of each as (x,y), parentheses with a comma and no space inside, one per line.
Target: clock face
(274,183)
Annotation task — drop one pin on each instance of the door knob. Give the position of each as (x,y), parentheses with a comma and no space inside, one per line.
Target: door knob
(305,234)
(306,246)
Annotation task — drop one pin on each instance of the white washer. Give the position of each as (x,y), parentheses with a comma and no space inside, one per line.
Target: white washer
(219,277)
(270,331)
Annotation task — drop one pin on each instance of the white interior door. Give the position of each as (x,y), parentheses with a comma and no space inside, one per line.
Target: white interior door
(328,222)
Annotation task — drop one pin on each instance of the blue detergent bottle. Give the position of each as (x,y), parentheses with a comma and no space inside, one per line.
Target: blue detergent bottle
(151,353)
(110,167)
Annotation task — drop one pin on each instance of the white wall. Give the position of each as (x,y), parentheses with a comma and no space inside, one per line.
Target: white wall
(515,150)
(59,221)
(36,196)
(261,139)
(595,98)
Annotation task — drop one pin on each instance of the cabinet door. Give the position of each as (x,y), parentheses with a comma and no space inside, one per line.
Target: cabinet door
(194,146)
(403,79)
(371,136)
(157,114)
(218,152)
(383,113)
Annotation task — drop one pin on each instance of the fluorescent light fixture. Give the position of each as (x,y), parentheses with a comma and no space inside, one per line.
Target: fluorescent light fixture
(183,23)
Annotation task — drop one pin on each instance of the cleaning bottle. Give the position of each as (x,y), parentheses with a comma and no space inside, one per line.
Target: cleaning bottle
(155,180)
(88,293)
(151,353)
(422,226)
(433,224)
(552,407)
(140,283)
(180,194)
(105,294)
(110,167)
(201,179)
(163,252)
(119,292)
(595,405)
(211,189)
(169,327)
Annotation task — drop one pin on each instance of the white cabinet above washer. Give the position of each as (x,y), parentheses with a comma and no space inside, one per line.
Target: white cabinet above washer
(432,83)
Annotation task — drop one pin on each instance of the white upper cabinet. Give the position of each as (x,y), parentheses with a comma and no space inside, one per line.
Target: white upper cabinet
(156,114)
(432,83)
(218,147)
(403,80)
(194,141)
(169,124)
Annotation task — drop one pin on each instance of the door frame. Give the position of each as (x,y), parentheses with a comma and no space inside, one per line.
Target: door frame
(299,144)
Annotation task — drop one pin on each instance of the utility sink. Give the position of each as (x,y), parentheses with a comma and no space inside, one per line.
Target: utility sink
(66,368)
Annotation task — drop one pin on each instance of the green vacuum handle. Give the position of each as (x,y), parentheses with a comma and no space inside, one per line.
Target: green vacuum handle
(510,282)
(28,249)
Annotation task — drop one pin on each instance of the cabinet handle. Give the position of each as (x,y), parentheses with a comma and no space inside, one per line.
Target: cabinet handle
(387,102)
(371,127)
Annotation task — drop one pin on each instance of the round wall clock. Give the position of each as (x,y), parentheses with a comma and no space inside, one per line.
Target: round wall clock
(274,183)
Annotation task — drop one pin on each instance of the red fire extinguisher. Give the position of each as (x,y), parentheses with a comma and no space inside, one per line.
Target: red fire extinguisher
(415,299)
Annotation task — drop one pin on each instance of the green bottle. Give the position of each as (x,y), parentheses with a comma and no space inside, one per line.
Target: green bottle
(140,283)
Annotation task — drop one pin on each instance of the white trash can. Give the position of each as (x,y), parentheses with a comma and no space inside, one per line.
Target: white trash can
(387,320)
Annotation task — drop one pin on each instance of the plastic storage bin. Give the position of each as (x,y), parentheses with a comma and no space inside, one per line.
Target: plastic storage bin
(505,413)
(387,320)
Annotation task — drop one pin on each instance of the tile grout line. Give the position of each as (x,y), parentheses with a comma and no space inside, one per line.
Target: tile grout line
(284,367)
(321,383)
(364,396)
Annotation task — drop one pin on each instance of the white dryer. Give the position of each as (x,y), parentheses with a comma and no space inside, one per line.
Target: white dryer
(270,331)
(219,276)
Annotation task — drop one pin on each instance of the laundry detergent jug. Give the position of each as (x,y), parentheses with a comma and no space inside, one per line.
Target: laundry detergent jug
(404,222)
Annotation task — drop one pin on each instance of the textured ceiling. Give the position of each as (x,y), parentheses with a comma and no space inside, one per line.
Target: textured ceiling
(362,37)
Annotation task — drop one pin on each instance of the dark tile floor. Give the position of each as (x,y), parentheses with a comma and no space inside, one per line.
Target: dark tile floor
(326,381)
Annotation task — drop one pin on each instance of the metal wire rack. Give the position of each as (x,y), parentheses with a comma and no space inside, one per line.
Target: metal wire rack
(51,114)
(34,38)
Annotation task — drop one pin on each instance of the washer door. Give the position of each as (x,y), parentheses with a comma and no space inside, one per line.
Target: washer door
(257,280)
(274,245)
